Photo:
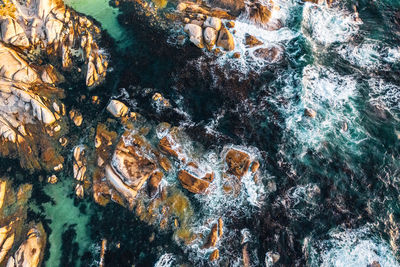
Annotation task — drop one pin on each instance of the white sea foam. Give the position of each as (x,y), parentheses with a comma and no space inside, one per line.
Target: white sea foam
(359,247)
(323,25)
(166,260)
(384,96)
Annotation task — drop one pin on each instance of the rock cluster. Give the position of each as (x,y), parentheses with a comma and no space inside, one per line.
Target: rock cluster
(21,243)
(31,114)
(59,31)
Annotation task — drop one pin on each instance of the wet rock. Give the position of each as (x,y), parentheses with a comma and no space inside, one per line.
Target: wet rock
(236,55)
(193,183)
(154,182)
(271,258)
(117,108)
(79,163)
(230,24)
(167,147)
(76,117)
(255,166)
(238,162)
(271,54)
(130,167)
(252,41)
(52,179)
(212,22)
(214,255)
(260,12)
(212,238)
(225,40)
(79,191)
(195,33)
(234,7)
(31,252)
(374,264)
(310,113)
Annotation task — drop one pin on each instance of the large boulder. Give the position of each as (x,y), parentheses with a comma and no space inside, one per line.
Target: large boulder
(213,22)
(271,54)
(225,40)
(195,33)
(210,36)
(234,7)
(238,162)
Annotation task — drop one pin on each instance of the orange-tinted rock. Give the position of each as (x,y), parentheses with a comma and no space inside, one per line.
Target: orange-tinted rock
(225,40)
(255,166)
(220,227)
(236,55)
(192,183)
(272,54)
(230,24)
(166,146)
(209,177)
(214,255)
(238,162)
(260,13)
(212,238)
(165,164)
(252,41)
(154,182)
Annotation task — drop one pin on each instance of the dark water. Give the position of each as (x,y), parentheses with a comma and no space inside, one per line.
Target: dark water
(330,193)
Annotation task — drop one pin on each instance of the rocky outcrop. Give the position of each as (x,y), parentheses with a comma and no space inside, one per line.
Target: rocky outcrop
(60,32)
(271,54)
(195,33)
(25,240)
(31,114)
(31,252)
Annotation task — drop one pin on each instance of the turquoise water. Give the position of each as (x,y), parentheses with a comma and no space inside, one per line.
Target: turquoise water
(105,14)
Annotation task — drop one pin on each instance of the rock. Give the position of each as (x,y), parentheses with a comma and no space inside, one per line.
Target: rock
(374,264)
(181,7)
(310,113)
(130,167)
(271,258)
(225,40)
(212,238)
(195,34)
(261,13)
(154,182)
(252,41)
(79,191)
(210,37)
(271,55)
(13,33)
(76,117)
(214,255)
(192,183)
(79,163)
(212,22)
(166,147)
(230,24)
(236,55)
(117,108)
(197,22)
(234,7)
(52,179)
(31,252)
(238,162)
(255,166)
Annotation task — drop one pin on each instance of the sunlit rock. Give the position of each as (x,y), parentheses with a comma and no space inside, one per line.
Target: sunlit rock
(213,22)
(225,40)
(210,36)
(195,33)
(31,252)
(238,162)
(193,183)
(117,108)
